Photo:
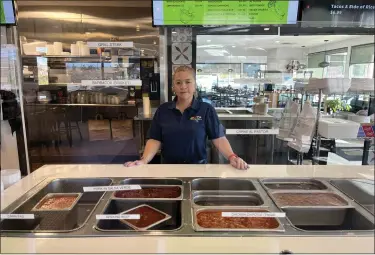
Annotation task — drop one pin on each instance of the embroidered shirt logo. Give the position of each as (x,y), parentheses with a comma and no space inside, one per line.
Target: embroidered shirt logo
(196,118)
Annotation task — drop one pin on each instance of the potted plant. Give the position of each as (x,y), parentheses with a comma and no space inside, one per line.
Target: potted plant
(336,105)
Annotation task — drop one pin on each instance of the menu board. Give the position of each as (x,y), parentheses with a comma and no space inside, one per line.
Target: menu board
(7,16)
(338,13)
(225,12)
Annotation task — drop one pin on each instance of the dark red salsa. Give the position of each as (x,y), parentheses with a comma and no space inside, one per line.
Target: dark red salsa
(148,216)
(149,192)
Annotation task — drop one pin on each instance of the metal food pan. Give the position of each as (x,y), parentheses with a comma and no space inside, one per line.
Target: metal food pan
(248,200)
(152,181)
(153,199)
(198,228)
(293,184)
(328,219)
(75,185)
(37,210)
(361,191)
(222,193)
(272,193)
(172,208)
(167,217)
(227,184)
(57,219)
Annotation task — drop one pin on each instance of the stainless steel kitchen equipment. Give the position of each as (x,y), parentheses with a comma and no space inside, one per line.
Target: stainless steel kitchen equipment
(199,194)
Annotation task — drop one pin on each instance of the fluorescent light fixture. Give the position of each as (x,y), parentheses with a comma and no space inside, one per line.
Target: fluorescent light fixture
(217,53)
(208,41)
(210,46)
(266,28)
(233,46)
(174,32)
(277,42)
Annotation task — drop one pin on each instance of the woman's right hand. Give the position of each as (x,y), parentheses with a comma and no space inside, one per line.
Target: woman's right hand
(134,163)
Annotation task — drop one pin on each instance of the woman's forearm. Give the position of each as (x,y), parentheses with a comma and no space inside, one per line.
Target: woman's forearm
(223,145)
(151,148)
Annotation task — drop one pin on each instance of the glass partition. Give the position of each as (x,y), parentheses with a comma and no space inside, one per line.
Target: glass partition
(85,70)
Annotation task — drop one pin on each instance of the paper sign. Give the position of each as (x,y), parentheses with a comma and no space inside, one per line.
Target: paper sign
(111,82)
(17,216)
(111,188)
(252,131)
(110,44)
(118,216)
(253,214)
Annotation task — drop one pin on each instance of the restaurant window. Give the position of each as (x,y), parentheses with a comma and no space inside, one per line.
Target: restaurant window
(336,59)
(254,70)
(362,61)
(214,75)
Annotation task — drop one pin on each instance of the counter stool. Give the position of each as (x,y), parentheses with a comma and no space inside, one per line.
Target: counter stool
(62,118)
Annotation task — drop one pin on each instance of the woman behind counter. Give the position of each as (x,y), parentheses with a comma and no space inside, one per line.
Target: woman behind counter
(181,128)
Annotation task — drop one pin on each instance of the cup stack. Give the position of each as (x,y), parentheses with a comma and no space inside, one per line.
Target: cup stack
(146,106)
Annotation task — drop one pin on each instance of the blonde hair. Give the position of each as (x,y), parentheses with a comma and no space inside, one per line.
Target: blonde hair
(184,69)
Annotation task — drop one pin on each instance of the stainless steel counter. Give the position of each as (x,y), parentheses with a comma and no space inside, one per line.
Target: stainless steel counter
(353,218)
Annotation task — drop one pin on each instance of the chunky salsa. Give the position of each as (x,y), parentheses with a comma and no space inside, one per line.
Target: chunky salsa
(308,199)
(57,202)
(214,219)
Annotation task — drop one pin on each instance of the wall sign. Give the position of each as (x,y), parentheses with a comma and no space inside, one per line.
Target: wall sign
(110,44)
(109,83)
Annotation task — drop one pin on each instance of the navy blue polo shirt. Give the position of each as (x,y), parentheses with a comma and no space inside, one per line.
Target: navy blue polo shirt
(184,136)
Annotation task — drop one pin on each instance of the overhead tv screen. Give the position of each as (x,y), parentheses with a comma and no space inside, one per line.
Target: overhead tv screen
(338,13)
(7,15)
(226,12)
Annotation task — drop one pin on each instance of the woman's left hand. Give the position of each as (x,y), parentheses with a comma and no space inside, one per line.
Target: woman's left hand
(239,163)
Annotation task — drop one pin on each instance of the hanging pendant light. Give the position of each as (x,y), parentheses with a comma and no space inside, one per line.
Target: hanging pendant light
(324,63)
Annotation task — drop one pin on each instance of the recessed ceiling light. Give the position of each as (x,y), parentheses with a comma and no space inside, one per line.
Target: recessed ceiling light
(266,28)
(208,40)
(154,42)
(233,46)
(277,42)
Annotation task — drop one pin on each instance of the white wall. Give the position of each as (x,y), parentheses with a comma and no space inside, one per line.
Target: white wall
(278,59)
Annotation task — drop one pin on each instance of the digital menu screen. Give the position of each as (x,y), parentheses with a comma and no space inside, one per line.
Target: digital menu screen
(338,13)
(225,12)
(7,15)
